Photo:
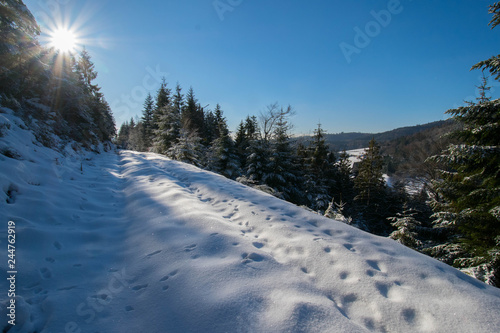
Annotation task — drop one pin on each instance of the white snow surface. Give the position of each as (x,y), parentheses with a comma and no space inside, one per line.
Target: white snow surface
(135,242)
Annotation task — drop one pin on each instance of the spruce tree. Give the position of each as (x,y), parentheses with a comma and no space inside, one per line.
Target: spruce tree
(407,226)
(224,159)
(162,100)
(192,114)
(320,175)
(468,190)
(168,129)
(343,190)
(492,64)
(147,120)
(282,174)
(18,48)
(98,108)
(371,191)
(187,148)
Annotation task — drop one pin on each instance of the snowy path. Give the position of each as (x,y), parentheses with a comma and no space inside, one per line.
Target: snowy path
(140,243)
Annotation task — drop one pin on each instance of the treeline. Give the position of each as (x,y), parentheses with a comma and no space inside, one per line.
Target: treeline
(262,153)
(52,91)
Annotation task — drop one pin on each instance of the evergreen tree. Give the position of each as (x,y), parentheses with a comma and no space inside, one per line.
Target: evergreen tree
(123,136)
(320,176)
(223,158)
(370,186)
(210,127)
(468,190)
(98,107)
(406,228)
(282,174)
(168,129)
(193,114)
(343,190)
(147,120)
(178,99)
(493,63)
(162,100)
(18,48)
(188,148)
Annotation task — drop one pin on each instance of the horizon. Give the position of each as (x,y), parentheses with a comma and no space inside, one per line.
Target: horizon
(364,67)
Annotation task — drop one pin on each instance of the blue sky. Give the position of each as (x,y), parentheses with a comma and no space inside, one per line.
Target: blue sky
(354,65)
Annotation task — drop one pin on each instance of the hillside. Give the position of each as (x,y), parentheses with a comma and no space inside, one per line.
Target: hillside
(354,140)
(135,242)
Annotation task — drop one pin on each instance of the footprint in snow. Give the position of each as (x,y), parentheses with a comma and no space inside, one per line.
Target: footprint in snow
(247,258)
(129,308)
(190,248)
(57,245)
(350,247)
(258,245)
(153,254)
(45,273)
(139,287)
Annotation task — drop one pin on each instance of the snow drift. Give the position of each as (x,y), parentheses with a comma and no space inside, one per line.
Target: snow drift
(135,242)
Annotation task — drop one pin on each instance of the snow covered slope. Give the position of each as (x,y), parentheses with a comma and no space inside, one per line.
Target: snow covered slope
(135,242)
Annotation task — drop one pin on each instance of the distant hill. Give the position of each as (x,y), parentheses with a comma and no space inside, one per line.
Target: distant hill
(355,140)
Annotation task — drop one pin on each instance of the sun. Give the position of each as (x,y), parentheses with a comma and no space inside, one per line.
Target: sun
(63,40)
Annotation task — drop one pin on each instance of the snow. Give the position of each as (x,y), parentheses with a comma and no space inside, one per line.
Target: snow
(135,242)
(356,155)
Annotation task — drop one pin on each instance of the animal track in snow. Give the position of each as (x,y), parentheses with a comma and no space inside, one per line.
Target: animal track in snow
(408,315)
(374,264)
(129,308)
(190,248)
(153,254)
(247,258)
(258,245)
(57,245)
(139,287)
(350,247)
(45,273)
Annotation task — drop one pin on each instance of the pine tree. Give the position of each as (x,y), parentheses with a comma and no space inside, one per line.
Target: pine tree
(18,48)
(493,63)
(282,172)
(178,99)
(467,200)
(224,159)
(168,129)
(406,228)
(343,190)
(98,107)
(162,100)
(193,114)
(188,148)
(320,175)
(123,136)
(147,120)
(370,186)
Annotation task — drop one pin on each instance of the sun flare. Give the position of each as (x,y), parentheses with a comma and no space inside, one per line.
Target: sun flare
(63,40)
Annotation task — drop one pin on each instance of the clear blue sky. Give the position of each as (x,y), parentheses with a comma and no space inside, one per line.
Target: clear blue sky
(409,67)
